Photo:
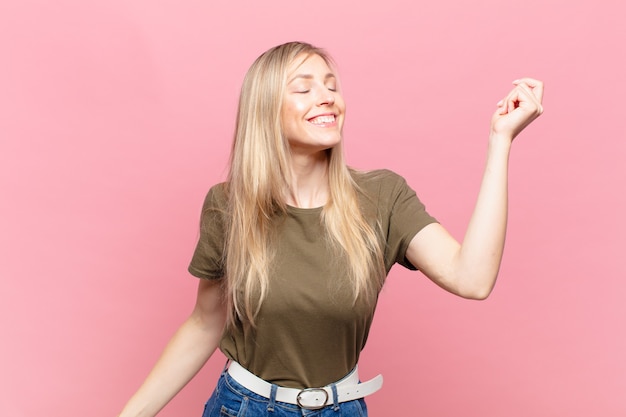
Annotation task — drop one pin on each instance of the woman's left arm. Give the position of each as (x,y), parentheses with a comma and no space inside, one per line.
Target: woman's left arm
(470,269)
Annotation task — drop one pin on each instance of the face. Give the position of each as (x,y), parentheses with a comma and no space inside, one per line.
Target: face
(313,108)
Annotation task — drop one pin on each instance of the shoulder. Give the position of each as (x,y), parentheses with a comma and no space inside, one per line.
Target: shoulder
(217,197)
(378,182)
(375,176)
(215,208)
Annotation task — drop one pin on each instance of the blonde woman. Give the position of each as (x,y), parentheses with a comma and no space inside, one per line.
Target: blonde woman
(295,247)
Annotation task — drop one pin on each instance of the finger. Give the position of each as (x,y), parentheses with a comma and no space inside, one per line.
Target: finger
(522,92)
(535,85)
(512,100)
(501,107)
(527,94)
(504,104)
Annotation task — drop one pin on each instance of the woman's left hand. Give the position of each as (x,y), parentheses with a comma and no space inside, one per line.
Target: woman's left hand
(518,109)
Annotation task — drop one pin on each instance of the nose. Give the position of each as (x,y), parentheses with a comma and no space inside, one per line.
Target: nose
(326,98)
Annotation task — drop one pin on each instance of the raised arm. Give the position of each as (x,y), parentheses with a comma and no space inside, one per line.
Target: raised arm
(470,269)
(187,351)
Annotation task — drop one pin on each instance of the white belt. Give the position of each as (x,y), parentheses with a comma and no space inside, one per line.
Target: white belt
(348,388)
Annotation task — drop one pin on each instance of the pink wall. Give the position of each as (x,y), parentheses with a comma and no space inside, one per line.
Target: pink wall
(116,117)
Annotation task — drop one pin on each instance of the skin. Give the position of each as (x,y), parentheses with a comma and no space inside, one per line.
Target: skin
(312,121)
(468,268)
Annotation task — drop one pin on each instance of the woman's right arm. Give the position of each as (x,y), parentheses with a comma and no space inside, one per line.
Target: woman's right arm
(185,354)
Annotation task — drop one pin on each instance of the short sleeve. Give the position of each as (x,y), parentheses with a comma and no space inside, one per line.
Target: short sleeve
(208,260)
(407,216)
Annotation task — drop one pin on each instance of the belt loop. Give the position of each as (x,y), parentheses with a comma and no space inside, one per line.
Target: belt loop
(272,403)
(333,387)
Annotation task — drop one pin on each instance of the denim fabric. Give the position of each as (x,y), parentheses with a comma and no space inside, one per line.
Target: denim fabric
(231,399)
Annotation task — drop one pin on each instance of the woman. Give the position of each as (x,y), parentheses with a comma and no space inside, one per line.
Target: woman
(295,247)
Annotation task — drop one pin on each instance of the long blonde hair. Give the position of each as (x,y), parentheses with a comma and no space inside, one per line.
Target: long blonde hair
(258,180)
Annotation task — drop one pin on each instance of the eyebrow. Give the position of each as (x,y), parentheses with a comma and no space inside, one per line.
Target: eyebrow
(309,77)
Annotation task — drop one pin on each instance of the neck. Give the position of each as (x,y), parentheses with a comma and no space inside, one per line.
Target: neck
(309,181)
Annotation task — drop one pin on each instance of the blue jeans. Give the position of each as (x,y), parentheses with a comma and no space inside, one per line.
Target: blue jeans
(231,399)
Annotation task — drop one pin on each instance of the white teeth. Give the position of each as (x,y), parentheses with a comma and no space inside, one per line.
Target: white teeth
(322,119)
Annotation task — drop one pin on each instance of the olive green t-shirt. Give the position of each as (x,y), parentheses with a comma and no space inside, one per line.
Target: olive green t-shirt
(309,332)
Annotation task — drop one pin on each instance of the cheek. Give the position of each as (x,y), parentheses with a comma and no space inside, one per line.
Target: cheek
(298,109)
(287,111)
(289,120)
(291,117)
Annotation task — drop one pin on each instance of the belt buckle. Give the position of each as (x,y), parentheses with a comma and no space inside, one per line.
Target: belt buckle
(312,390)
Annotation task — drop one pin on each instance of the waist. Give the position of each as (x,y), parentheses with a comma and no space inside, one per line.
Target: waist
(346,389)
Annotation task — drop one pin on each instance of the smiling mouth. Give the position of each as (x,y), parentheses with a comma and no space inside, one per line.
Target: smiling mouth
(323,119)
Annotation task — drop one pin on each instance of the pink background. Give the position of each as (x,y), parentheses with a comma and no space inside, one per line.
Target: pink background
(116,117)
